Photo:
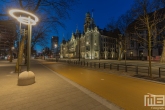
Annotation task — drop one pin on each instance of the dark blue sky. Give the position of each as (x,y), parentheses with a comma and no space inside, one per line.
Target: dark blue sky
(104,10)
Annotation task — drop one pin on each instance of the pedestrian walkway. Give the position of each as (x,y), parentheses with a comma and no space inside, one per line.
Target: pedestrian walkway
(50,92)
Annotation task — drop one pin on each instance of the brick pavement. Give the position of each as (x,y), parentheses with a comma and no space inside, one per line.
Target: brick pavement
(50,92)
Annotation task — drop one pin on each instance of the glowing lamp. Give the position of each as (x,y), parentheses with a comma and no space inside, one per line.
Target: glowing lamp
(28,19)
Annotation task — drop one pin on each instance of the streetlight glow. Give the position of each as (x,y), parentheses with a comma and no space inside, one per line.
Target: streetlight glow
(27,18)
(55,45)
(24,20)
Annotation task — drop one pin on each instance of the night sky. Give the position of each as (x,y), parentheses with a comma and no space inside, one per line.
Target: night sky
(104,10)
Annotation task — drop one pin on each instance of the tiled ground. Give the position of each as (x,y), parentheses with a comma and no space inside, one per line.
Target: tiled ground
(50,92)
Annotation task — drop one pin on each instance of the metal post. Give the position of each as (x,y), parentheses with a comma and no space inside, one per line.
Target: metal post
(159,73)
(19,47)
(136,69)
(148,70)
(79,47)
(125,68)
(125,49)
(110,66)
(125,56)
(29,46)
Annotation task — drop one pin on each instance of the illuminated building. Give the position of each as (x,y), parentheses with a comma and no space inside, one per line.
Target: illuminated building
(93,43)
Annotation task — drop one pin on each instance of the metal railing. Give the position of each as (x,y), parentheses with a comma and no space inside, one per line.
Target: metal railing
(127,68)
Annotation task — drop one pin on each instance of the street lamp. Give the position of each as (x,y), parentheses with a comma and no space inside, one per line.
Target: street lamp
(125,56)
(142,56)
(55,51)
(11,53)
(43,53)
(27,18)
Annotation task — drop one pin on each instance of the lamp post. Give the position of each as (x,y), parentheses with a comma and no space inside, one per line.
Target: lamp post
(125,49)
(43,53)
(55,51)
(125,56)
(79,48)
(29,19)
(142,56)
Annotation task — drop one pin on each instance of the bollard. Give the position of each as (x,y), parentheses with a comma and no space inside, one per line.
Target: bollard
(136,69)
(159,73)
(148,71)
(99,65)
(104,65)
(125,68)
(110,66)
(117,67)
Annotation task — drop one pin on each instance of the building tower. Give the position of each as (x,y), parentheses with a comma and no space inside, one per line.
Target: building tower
(87,21)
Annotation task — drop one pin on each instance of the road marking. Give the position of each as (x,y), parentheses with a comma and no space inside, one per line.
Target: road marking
(102,79)
(12,72)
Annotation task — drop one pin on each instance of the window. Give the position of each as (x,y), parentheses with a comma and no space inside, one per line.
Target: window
(95,43)
(95,54)
(87,55)
(88,48)
(132,44)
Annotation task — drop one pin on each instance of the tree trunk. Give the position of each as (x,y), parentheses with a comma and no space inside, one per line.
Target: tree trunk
(20,55)
(162,60)
(120,53)
(149,50)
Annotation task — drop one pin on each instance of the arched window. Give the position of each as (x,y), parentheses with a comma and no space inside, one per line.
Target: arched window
(87,55)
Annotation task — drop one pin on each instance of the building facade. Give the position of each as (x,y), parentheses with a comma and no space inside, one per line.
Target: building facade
(138,39)
(93,43)
(7,37)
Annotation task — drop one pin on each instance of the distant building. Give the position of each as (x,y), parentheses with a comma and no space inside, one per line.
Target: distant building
(138,40)
(54,44)
(7,36)
(93,43)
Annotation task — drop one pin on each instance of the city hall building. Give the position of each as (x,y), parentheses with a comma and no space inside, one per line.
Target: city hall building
(93,43)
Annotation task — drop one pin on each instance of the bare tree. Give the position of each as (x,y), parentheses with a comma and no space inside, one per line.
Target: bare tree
(122,24)
(49,11)
(149,17)
(112,25)
(40,35)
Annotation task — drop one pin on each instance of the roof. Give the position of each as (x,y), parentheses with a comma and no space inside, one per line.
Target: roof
(113,33)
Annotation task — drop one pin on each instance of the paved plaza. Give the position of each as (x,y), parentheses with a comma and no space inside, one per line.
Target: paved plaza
(63,86)
(50,92)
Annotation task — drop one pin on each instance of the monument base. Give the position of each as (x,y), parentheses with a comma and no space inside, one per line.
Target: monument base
(26,78)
